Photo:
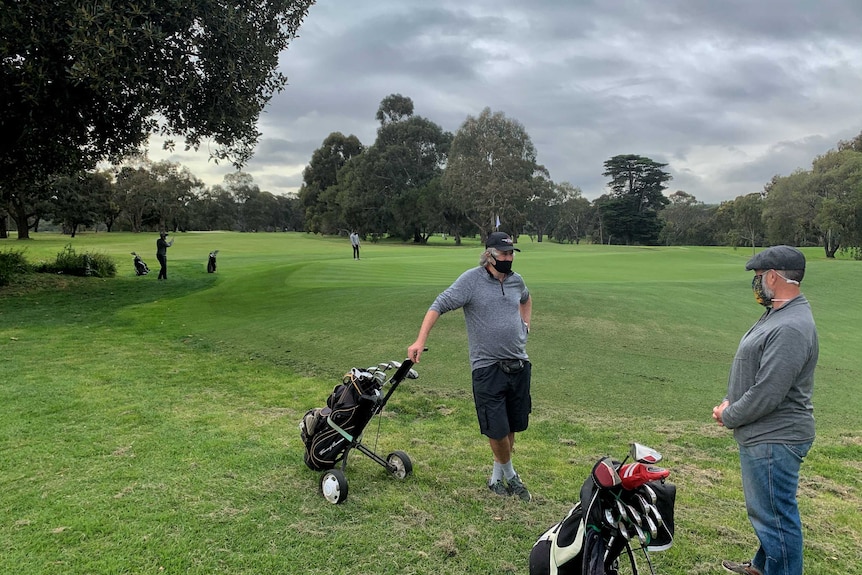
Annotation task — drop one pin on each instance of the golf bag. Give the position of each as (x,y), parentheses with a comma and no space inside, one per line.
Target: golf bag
(351,405)
(211,262)
(141,268)
(618,504)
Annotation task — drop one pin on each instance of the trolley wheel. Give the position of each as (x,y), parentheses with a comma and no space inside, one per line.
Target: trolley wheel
(333,486)
(399,464)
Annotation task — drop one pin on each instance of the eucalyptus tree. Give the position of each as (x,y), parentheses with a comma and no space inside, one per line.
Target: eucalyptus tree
(84,81)
(491,170)
(542,207)
(575,214)
(135,193)
(317,196)
(790,208)
(77,199)
(744,215)
(837,180)
(687,221)
(381,189)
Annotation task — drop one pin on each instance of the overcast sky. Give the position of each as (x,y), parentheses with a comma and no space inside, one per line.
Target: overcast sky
(728,93)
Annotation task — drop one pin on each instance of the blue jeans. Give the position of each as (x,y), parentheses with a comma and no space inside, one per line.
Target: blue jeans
(770,477)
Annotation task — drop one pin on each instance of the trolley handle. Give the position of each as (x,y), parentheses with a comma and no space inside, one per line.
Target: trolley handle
(399,376)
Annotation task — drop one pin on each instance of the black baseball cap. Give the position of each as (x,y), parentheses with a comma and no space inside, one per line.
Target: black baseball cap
(500,241)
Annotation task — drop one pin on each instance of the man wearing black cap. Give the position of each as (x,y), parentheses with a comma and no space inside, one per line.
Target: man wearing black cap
(497,308)
(162,246)
(768,407)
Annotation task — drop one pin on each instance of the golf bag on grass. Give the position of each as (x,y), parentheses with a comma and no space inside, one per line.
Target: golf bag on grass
(329,433)
(619,504)
(211,262)
(141,268)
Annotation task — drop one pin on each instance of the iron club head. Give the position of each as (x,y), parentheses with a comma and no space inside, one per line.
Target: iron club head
(623,531)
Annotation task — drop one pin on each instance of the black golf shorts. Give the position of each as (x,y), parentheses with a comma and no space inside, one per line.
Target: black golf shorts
(501,393)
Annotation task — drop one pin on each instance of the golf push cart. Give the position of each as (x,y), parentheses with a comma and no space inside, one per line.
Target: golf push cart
(330,433)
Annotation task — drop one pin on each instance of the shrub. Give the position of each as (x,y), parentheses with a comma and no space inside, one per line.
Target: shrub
(88,264)
(12,263)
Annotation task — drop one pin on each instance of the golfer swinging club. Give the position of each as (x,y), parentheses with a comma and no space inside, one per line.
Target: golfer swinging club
(497,308)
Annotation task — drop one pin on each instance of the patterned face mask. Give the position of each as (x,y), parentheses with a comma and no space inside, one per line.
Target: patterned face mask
(762,294)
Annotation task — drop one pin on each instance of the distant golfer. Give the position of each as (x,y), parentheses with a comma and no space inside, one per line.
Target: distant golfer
(497,307)
(354,241)
(162,254)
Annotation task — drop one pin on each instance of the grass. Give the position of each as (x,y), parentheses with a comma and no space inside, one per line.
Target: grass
(151,427)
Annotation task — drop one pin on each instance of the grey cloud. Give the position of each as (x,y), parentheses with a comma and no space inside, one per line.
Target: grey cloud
(727,93)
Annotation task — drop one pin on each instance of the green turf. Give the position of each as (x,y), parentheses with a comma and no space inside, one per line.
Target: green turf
(151,427)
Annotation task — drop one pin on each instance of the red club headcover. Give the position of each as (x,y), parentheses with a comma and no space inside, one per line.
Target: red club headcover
(604,473)
(636,474)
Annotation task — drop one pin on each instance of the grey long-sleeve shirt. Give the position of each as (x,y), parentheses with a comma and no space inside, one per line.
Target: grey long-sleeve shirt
(495,330)
(771,381)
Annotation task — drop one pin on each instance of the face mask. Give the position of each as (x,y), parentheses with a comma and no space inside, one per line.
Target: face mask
(762,294)
(504,267)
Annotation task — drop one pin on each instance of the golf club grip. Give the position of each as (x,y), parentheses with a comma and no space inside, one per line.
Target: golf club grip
(397,378)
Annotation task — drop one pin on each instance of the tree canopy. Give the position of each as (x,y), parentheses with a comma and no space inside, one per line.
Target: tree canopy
(491,171)
(85,81)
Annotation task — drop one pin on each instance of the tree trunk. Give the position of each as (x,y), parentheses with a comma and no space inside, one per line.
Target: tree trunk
(19,214)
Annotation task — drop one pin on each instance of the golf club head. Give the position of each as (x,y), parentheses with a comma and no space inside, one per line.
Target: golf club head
(653,528)
(650,493)
(395,364)
(380,377)
(644,454)
(609,518)
(634,515)
(642,503)
(640,534)
(653,510)
(412,374)
(623,531)
(624,516)
(383,366)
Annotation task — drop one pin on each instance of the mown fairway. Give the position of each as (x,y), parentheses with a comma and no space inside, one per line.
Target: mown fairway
(151,427)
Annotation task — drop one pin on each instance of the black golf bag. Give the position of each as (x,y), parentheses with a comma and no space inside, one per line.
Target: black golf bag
(211,262)
(608,519)
(141,268)
(330,433)
(351,405)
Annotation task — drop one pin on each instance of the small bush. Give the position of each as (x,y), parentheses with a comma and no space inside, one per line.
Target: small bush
(12,263)
(88,264)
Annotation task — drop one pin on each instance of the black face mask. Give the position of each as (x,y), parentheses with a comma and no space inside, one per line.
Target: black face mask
(504,267)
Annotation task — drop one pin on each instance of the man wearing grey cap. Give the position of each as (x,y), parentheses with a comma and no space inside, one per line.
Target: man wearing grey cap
(497,308)
(768,407)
